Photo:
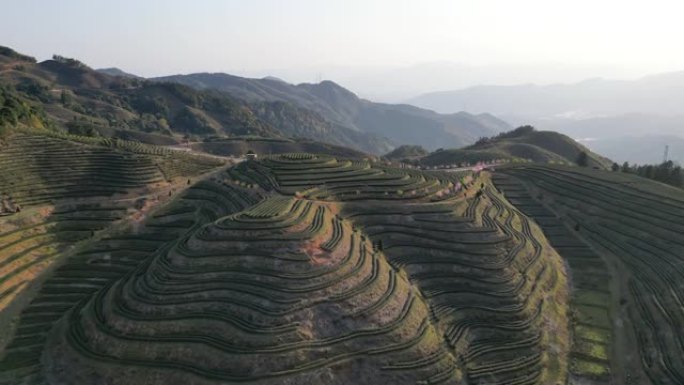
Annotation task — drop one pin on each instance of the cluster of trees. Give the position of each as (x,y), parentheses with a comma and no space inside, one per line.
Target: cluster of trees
(667,172)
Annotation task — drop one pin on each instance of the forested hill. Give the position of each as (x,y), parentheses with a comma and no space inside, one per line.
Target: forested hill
(65,94)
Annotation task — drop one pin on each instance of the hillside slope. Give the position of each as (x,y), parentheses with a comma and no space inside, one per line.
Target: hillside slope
(523,143)
(402,124)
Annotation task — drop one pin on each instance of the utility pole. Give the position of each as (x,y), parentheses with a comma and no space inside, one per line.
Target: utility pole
(667,149)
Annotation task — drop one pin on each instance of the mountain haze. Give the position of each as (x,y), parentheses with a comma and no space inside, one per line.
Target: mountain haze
(656,95)
(613,115)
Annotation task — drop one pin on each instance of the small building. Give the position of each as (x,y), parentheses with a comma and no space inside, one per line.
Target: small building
(251,155)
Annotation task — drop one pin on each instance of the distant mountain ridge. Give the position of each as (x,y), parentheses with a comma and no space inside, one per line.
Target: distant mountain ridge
(626,119)
(401,124)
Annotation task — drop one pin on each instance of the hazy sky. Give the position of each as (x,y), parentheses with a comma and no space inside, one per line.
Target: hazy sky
(305,39)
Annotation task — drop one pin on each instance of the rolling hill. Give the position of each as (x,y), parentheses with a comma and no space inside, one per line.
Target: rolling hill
(402,124)
(521,144)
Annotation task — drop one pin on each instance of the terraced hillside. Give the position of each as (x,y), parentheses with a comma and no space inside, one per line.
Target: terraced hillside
(56,194)
(494,287)
(627,288)
(306,269)
(243,299)
(98,264)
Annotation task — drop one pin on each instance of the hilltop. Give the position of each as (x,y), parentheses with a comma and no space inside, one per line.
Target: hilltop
(524,143)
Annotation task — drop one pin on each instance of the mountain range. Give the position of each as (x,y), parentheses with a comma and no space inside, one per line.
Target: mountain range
(400,123)
(651,95)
